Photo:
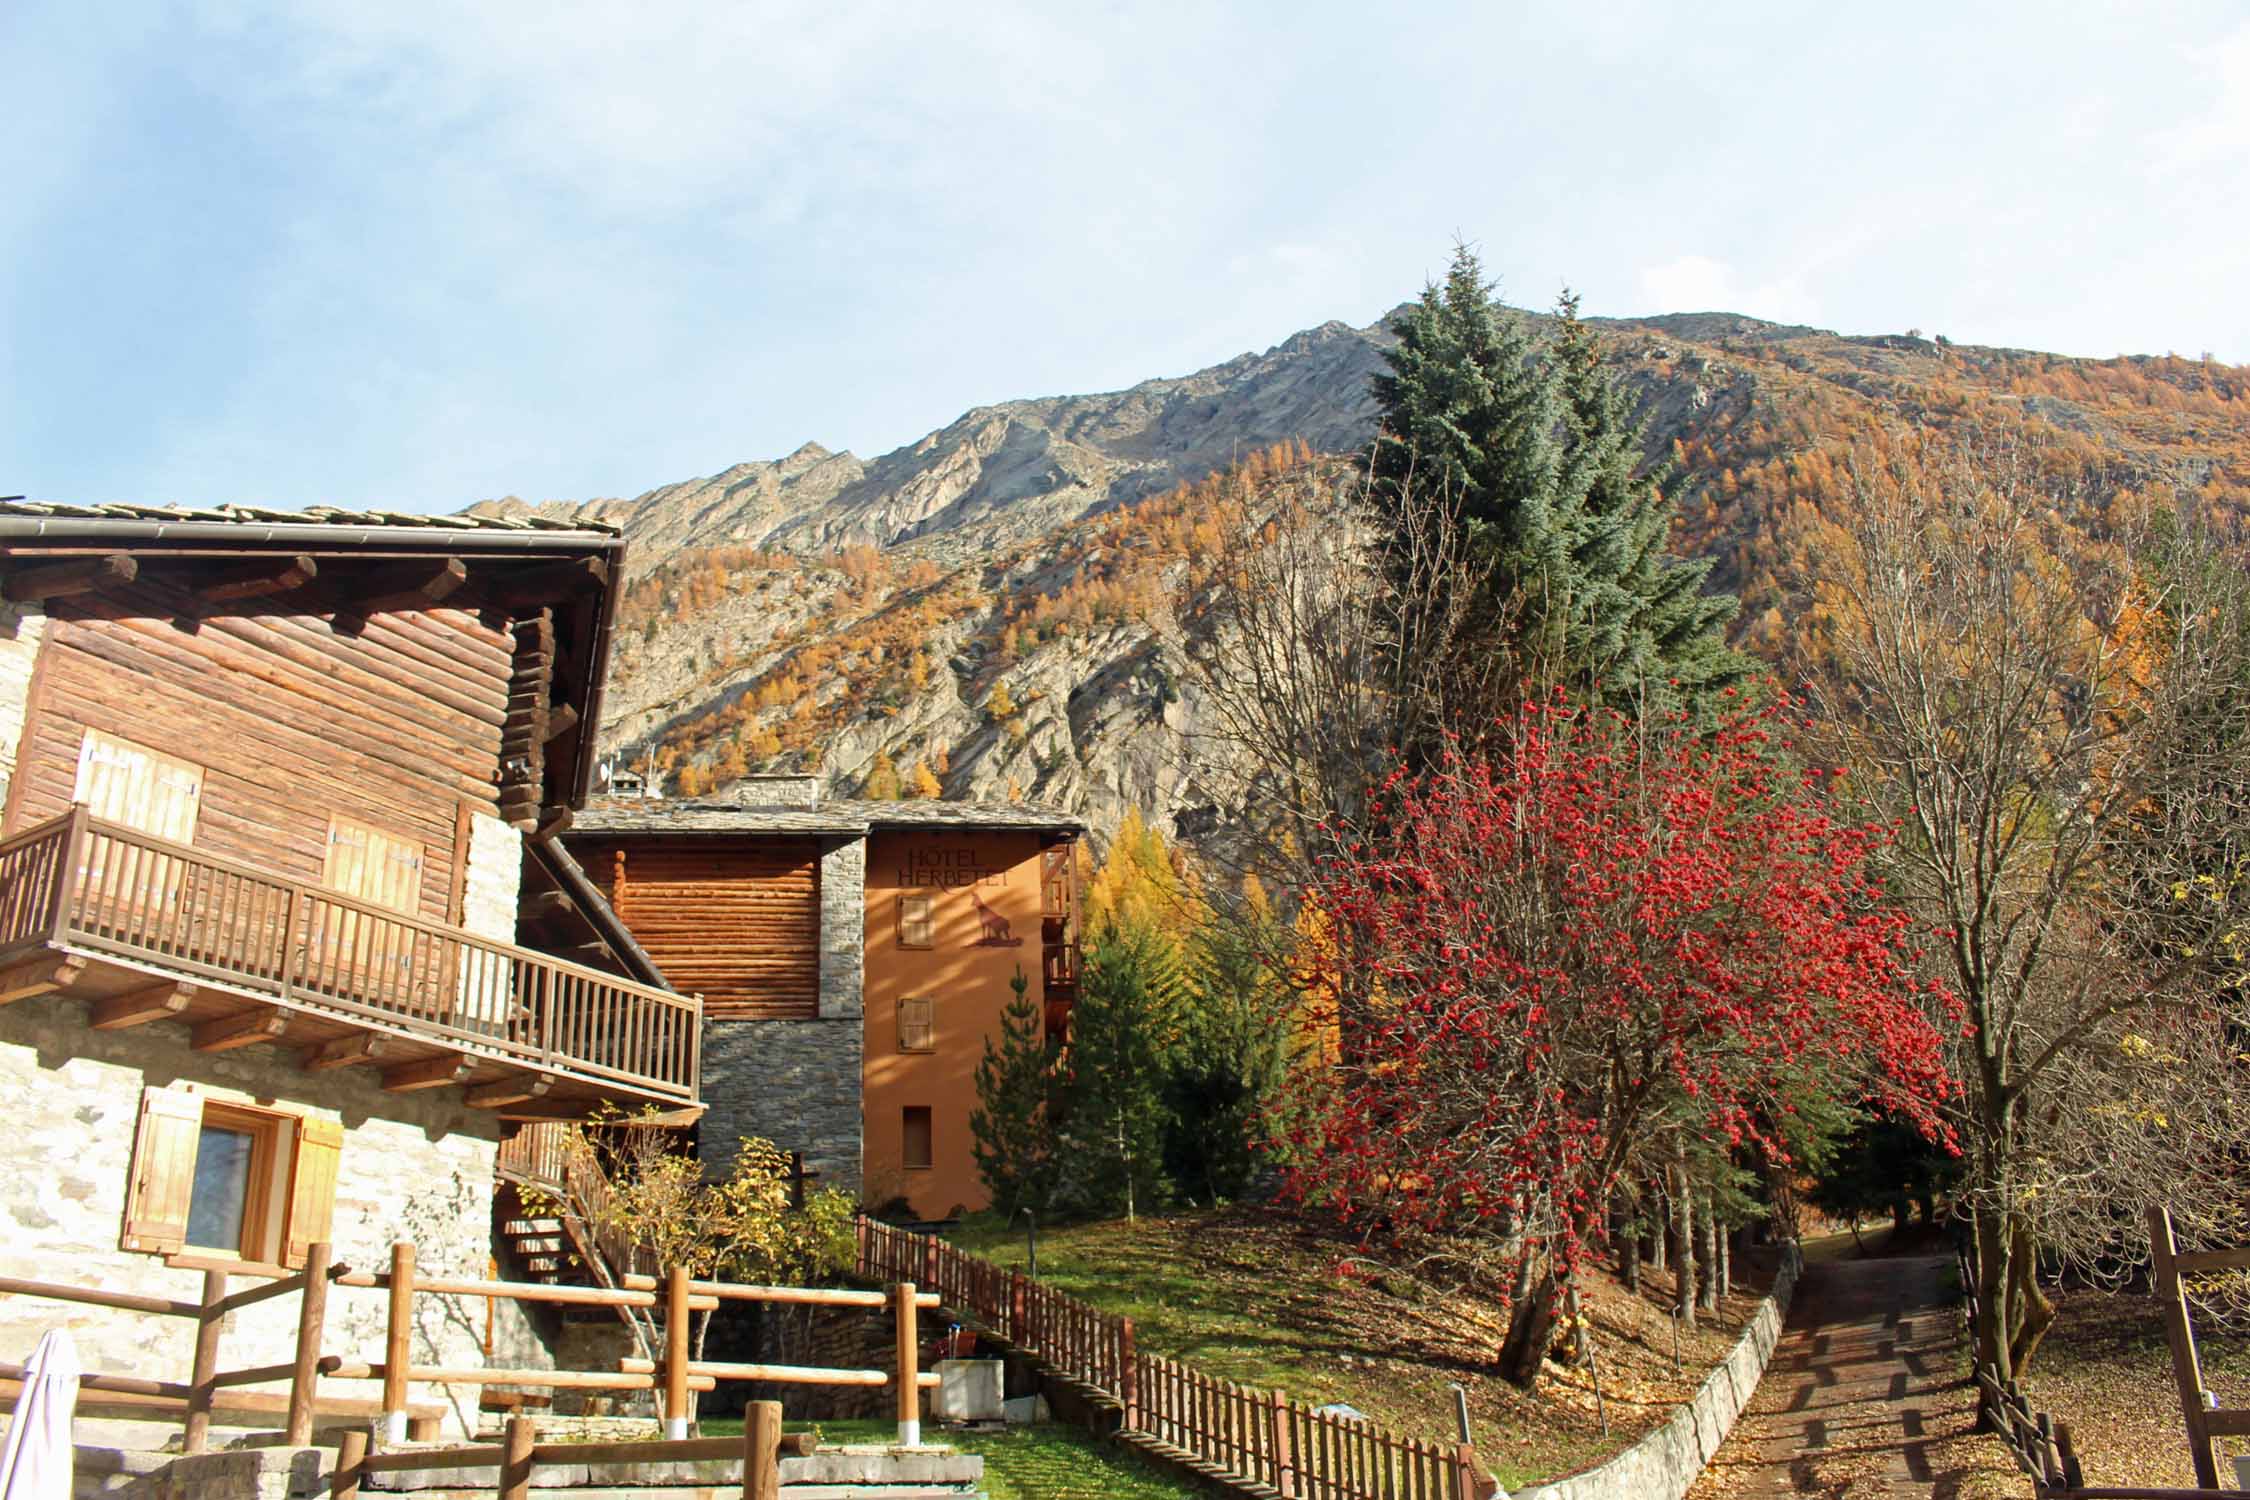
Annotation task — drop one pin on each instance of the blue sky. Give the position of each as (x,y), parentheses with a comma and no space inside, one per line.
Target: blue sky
(412,254)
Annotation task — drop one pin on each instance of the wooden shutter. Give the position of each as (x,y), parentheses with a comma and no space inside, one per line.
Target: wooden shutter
(312,1187)
(156,1197)
(373,866)
(917,920)
(132,784)
(917,1025)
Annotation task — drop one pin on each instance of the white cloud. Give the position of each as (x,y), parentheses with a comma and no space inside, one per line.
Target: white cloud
(2221,132)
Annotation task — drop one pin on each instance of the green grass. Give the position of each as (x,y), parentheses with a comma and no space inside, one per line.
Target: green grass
(1021,1463)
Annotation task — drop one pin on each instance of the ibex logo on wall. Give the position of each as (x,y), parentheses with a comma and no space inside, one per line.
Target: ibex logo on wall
(993,928)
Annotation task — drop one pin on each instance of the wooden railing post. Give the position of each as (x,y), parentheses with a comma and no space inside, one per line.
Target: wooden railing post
(909,1366)
(515,1459)
(312,1316)
(761,1451)
(1128,1384)
(1016,1300)
(1464,1472)
(195,1432)
(398,1341)
(343,1484)
(1284,1466)
(929,1260)
(2187,1369)
(676,1353)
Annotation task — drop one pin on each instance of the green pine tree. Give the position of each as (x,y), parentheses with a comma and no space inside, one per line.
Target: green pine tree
(1231,1055)
(1538,454)
(1013,1122)
(1128,1010)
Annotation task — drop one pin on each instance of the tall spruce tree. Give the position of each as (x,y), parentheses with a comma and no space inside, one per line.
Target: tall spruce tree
(1013,1128)
(1538,454)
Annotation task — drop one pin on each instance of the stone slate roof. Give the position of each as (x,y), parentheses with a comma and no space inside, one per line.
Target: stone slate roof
(845,817)
(319,515)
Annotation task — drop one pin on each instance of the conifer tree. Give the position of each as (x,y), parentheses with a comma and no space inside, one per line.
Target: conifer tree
(925,783)
(1013,1125)
(882,783)
(1127,1011)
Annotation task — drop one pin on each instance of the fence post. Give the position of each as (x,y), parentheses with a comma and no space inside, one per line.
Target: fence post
(929,1260)
(343,1484)
(1128,1385)
(398,1341)
(1015,1306)
(909,1367)
(2187,1369)
(676,1353)
(195,1432)
(761,1451)
(1464,1472)
(515,1460)
(312,1315)
(1284,1465)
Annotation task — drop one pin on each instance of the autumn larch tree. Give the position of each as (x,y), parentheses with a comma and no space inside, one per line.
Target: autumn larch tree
(1603,934)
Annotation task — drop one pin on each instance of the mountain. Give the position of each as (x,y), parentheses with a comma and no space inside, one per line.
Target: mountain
(1000,601)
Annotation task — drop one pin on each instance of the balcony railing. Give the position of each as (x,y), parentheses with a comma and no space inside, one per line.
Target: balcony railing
(101,888)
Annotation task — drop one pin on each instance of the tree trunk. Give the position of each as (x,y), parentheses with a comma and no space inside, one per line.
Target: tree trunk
(1993,1347)
(1725,1266)
(2030,1313)
(1629,1248)
(1531,1324)
(1683,1243)
(1707,1259)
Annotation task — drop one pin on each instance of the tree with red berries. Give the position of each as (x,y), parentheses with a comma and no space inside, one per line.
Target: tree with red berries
(1564,956)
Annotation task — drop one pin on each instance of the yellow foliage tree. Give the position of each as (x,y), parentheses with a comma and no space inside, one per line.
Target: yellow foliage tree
(1144,882)
(1000,705)
(925,784)
(882,783)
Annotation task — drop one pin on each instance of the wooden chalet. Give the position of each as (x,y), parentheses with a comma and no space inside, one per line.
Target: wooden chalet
(853,957)
(286,936)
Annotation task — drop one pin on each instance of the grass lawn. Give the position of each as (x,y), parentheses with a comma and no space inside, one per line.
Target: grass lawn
(1022,1463)
(1262,1299)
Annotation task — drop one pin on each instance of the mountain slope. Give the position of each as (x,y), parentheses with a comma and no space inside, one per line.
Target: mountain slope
(999,600)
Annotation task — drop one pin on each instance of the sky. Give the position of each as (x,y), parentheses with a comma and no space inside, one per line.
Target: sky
(416,253)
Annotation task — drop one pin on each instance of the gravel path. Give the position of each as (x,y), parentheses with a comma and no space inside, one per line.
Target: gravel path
(1861,1388)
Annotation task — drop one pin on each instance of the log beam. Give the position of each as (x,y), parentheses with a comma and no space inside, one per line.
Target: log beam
(530,587)
(345,1052)
(414,585)
(40,976)
(244,1028)
(273,576)
(548,904)
(60,580)
(429,1073)
(513,1090)
(561,721)
(154,1002)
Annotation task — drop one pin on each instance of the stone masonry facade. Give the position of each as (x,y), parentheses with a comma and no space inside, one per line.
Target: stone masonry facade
(413,1166)
(794,1082)
(21,628)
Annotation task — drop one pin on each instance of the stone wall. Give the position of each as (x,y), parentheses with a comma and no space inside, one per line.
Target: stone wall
(21,628)
(794,1082)
(491,892)
(413,1166)
(843,931)
(1662,1465)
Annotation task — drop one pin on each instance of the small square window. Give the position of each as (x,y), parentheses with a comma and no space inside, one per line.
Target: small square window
(917,920)
(919,1151)
(917,1025)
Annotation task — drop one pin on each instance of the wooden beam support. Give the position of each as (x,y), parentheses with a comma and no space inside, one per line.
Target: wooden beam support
(429,1073)
(275,576)
(40,976)
(528,588)
(561,720)
(154,1002)
(60,580)
(245,1028)
(548,904)
(513,1090)
(412,585)
(345,1052)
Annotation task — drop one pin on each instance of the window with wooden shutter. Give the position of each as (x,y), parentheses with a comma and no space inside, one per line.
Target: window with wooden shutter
(917,920)
(356,951)
(131,784)
(375,866)
(312,1187)
(917,1025)
(163,1172)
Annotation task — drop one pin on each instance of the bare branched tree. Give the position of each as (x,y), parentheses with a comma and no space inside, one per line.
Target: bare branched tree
(2058,724)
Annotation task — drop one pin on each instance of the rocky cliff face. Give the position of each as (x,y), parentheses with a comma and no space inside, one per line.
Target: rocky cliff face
(997,602)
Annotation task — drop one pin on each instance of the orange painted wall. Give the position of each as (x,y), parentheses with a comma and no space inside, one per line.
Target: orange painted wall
(966,972)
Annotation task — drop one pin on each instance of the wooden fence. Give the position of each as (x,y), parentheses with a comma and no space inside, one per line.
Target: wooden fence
(1256,1436)
(2043,1447)
(761,1449)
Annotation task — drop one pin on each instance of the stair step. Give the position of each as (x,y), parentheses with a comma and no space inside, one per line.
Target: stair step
(532,1226)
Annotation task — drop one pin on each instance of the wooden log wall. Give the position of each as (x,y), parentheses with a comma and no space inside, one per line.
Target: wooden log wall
(396,724)
(734,920)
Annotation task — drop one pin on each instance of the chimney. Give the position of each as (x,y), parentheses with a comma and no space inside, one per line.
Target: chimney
(800,789)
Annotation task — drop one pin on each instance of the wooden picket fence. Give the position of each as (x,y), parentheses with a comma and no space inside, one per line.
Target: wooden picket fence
(1258,1437)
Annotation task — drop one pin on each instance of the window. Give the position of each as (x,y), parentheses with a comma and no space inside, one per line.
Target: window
(122,782)
(219,1179)
(918,1154)
(917,1025)
(917,920)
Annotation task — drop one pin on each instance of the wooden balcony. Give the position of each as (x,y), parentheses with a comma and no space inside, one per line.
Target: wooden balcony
(144,929)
